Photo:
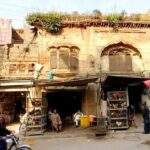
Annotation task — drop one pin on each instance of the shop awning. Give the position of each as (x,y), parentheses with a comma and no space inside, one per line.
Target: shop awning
(70,82)
(15,83)
(14,89)
(123,80)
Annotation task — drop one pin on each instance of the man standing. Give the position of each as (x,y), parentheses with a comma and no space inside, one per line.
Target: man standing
(146,118)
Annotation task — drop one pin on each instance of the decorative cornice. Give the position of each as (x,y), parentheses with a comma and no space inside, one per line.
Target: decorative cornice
(124,24)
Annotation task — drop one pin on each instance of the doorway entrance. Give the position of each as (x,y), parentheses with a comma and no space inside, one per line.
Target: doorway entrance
(65,102)
(134,93)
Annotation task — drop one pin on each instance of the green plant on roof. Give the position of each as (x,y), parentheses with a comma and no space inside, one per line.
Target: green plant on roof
(114,19)
(51,21)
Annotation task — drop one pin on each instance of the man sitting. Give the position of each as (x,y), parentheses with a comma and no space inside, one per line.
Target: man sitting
(56,121)
(76,118)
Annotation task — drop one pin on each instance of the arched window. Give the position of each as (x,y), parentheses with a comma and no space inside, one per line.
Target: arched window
(64,58)
(120,57)
(120,61)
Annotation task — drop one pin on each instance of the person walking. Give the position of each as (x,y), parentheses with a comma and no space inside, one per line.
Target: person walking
(146,118)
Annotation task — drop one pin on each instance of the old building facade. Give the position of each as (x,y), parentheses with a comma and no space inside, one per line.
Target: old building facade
(70,69)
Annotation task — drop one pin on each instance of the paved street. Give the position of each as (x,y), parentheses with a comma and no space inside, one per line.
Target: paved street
(84,139)
(116,141)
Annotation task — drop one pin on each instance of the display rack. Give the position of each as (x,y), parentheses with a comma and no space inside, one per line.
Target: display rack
(37,117)
(117,110)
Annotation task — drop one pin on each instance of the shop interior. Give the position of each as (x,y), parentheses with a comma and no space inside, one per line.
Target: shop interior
(117,104)
(66,103)
(133,86)
(134,94)
(12,104)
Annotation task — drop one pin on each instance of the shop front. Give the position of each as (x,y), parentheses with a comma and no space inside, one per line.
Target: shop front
(119,92)
(66,96)
(13,99)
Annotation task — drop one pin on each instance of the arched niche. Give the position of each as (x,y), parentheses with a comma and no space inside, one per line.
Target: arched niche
(121,57)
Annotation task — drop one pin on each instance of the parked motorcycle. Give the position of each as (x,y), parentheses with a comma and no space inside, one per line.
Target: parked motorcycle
(13,143)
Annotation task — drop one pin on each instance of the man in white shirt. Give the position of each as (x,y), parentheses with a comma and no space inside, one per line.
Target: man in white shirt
(76,117)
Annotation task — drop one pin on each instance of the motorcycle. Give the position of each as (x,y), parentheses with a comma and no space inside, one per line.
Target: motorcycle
(13,143)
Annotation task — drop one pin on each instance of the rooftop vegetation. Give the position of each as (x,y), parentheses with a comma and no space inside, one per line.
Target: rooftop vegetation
(52,21)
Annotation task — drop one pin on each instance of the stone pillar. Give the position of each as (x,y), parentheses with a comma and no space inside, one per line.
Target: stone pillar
(90,101)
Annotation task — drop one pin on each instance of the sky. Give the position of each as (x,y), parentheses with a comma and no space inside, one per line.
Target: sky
(17,10)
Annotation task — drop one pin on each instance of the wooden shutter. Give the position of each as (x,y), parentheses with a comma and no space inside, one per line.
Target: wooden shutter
(53,59)
(128,63)
(64,59)
(74,61)
(120,63)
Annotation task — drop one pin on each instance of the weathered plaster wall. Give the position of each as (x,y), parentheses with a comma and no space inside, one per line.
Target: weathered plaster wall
(16,53)
(91,41)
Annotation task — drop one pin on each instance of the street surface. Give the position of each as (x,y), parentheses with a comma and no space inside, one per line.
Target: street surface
(84,139)
(127,141)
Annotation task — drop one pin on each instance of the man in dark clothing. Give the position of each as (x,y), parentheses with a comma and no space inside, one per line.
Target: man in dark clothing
(146,118)
(131,116)
(3,132)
